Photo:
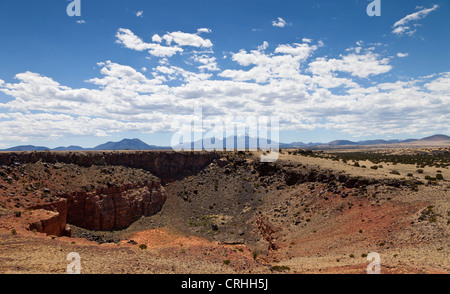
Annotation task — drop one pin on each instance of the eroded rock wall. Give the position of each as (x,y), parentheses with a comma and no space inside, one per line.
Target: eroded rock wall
(167,165)
(114,207)
(51,218)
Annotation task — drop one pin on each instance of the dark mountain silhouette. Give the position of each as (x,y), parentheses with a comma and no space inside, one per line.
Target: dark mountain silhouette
(341,143)
(26,148)
(436,138)
(239,142)
(69,148)
(368,142)
(127,144)
(232,142)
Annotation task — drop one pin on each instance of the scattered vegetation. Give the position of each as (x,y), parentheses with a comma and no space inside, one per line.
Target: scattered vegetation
(422,159)
(428,214)
(256,253)
(280,268)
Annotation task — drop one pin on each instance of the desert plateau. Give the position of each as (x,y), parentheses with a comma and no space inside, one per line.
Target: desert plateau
(311,211)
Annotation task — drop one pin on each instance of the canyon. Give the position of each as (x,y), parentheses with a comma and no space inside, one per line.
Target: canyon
(223,211)
(112,206)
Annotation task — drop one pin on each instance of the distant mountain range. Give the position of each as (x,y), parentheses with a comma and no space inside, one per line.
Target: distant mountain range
(428,140)
(125,144)
(136,144)
(349,143)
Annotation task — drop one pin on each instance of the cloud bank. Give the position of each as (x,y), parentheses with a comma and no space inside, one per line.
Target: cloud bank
(307,91)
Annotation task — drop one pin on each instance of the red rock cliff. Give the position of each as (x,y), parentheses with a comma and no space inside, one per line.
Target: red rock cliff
(114,207)
(108,208)
(50,218)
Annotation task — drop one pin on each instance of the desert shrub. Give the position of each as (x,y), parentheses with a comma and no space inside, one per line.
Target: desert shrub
(409,174)
(226,262)
(280,268)
(17,213)
(395,172)
(143,246)
(255,253)
(374,167)
(420,171)
(439,177)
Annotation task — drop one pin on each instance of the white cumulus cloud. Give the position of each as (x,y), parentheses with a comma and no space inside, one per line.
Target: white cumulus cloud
(280,22)
(401,27)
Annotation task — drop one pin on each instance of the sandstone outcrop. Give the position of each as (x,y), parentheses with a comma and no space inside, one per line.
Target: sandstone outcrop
(50,218)
(114,207)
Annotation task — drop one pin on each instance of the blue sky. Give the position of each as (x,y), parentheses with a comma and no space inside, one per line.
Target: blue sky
(134,68)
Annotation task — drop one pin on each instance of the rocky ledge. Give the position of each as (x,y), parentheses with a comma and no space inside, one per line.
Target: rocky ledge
(114,207)
(109,208)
